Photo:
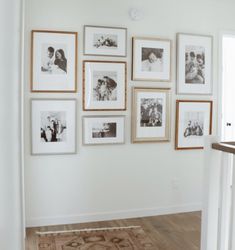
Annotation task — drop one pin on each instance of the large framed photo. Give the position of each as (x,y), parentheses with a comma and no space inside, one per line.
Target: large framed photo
(104,85)
(53,123)
(53,61)
(194,64)
(103,129)
(151,59)
(150,115)
(193,121)
(105,41)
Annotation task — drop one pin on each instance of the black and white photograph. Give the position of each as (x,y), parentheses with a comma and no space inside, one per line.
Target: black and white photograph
(53,126)
(151,60)
(53,61)
(151,112)
(195,65)
(105,41)
(193,122)
(105,86)
(103,130)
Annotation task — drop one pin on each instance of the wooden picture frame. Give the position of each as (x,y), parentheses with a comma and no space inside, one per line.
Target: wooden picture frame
(150,114)
(151,59)
(104,85)
(99,130)
(194,64)
(105,41)
(53,126)
(193,121)
(53,61)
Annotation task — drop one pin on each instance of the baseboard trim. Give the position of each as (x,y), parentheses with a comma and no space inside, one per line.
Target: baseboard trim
(125,214)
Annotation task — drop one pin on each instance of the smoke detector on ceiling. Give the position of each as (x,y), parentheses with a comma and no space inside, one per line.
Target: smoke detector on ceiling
(136,14)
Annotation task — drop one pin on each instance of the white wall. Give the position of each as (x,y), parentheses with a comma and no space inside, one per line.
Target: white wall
(11,229)
(105,182)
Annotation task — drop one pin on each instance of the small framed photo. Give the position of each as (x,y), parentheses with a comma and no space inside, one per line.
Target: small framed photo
(104,85)
(193,121)
(105,41)
(150,115)
(151,59)
(53,61)
(53,123)
(103,129)
(194,64)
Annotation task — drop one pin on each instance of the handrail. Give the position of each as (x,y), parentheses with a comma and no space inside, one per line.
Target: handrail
(228,147)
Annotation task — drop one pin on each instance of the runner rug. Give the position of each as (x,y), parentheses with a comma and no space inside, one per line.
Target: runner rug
(124,238)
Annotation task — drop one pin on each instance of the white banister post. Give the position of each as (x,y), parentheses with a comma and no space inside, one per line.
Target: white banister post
(210,213)
(232,227)
(225,201)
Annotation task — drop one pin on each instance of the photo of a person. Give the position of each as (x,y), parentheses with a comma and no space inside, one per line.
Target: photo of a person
(152,60)
(151,112)
(194,65)
(101,130)
(105,86)
(193,124)
(105,41)
(54,60)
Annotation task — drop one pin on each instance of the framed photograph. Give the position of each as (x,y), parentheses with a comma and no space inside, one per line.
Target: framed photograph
(150,115)
(104,85)
(194,64)
(103,129)
(193,121)
(105,41)
(151,59)
(53,61)
(53,123)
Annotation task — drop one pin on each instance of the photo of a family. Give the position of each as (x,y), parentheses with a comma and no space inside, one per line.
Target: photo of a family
(105,86)
(105,41)
(151,112)
(53,126)
(100,130)
(152,59)
(194,65)
(194,124)
(53,59)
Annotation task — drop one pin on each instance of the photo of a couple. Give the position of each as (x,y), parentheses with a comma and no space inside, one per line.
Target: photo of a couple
(54,60)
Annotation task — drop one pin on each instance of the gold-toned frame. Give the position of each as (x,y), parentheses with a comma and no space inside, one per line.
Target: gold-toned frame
(133,77)
(32,57)
(177,121)
(84,85)
(135,91)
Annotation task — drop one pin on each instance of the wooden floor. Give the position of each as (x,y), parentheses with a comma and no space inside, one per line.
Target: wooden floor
(167,232)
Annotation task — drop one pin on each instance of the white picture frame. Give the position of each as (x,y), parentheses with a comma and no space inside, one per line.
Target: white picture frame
(104,85)
(105,41)
(53,126)
(194,64)
(103,130)
(150,114)
(193,122)
(151,59)
(53,61)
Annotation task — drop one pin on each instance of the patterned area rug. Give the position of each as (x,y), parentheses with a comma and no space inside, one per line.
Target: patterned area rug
(129,238)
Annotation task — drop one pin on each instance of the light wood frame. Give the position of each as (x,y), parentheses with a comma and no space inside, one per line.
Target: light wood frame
(178,119)
(32,61)
(124,89)
(166,137)
(134,61)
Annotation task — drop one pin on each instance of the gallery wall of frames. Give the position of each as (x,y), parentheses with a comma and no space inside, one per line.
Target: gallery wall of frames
(54,62)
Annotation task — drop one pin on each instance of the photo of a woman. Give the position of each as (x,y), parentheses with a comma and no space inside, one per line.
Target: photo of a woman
(60,60)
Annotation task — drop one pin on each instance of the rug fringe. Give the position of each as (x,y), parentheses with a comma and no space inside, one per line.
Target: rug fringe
(86,230)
